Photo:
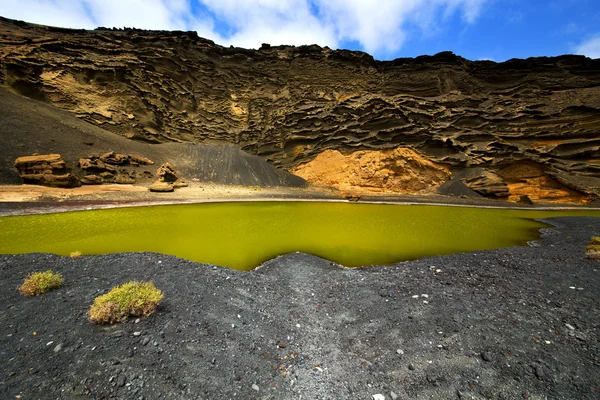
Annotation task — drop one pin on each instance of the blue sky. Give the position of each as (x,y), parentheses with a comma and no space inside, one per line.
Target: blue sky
(475,29)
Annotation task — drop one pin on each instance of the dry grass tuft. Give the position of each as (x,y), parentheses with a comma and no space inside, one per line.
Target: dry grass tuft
(130,299)
(41,282)
(75,254)
(592,250)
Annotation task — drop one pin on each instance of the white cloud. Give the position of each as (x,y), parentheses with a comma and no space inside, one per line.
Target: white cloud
(380,28)
(589,47)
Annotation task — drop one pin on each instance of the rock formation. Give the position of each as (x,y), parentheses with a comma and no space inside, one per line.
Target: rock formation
(46,170)
(290,104)
(398,170)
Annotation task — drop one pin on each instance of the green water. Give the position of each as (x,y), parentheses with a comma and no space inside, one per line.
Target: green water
(243,235)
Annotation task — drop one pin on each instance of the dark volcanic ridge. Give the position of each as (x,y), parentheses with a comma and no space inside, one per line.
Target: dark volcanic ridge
(519,322)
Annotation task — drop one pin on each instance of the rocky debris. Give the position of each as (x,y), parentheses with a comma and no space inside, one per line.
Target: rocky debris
(46,170)
(485,182)
(136,159)
(92,180)
(103,169)
(124,179)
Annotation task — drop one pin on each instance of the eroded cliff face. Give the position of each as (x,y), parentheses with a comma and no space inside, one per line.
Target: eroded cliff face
(290,104)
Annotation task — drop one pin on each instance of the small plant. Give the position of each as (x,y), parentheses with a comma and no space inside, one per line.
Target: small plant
(75,254)
(130,299)
(593,248)
(41,282)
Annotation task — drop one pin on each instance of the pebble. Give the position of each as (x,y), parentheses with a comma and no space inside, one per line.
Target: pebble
(539,372)
(137,333)
(425,296)
(393,395)
(411,367)
(281,344)
(487,356)
(58,347)
(571,327)
(378,396)
(400,352)
(145,341)
(255,387)
(121,381)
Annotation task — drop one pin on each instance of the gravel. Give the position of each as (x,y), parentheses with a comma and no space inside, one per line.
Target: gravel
(341,336)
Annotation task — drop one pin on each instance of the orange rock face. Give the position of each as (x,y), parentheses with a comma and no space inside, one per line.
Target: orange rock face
(529,179)
(399,170)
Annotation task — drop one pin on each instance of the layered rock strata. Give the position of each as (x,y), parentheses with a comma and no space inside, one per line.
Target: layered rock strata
(289,104)
(46,170)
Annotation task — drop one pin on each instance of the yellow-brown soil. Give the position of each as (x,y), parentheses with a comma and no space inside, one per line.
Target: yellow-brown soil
(399,170)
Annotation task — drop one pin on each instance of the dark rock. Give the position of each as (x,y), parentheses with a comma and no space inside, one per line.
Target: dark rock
(487,356)
(484,182)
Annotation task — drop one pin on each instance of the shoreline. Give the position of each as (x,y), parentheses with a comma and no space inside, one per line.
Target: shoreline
(32,199)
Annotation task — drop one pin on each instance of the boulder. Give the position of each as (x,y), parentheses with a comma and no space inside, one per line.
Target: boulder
(160,186)
(46,170)
(166,173)
(484,182)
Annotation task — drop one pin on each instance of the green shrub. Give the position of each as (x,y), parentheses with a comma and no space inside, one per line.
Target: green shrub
(41,282)
(130,299)
(75,254)
(593,248)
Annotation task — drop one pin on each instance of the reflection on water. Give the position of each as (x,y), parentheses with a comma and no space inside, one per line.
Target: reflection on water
(243,235)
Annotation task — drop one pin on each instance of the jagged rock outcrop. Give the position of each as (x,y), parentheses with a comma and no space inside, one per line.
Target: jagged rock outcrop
(289,104)
(398,170)
(46,170)
(484,182)
(167,179)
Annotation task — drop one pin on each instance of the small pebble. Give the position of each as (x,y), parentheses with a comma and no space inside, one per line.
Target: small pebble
(411,367)
(378,397)
(255,387)
(400,352)
(145,341)
(58,347)
(393,395)
(571,327)
(137,333)
(487,356)
(121,381)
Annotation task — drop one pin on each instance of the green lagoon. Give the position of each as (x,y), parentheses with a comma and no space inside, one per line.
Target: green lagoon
(242,235)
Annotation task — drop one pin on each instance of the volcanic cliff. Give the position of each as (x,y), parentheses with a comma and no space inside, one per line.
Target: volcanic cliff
(526,127)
